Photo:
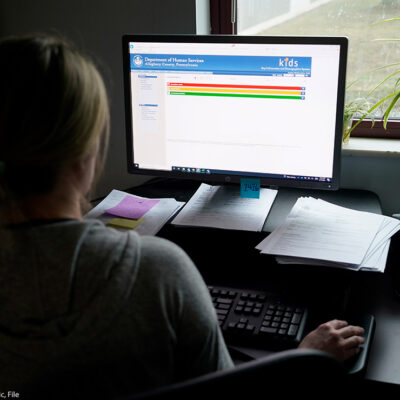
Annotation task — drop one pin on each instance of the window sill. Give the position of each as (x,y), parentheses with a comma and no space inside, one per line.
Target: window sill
(372,146)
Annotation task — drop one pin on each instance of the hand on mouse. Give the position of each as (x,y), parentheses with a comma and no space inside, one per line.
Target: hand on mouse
(335,337)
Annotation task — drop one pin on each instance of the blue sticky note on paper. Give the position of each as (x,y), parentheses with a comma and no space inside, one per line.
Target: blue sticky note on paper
(250,188)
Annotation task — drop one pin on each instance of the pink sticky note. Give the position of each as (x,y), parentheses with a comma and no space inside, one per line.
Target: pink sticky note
(132,207)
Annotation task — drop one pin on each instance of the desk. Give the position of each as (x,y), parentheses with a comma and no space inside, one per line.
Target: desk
(336,291)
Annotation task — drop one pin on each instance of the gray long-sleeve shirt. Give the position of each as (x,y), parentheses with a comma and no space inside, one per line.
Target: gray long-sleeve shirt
(124,311)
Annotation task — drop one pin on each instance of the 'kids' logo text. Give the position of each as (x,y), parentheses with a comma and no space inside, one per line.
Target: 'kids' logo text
(288,62)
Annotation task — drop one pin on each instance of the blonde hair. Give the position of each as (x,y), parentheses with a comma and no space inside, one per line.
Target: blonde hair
(53,110)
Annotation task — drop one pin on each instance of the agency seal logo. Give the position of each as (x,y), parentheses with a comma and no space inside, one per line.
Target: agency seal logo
(138,61)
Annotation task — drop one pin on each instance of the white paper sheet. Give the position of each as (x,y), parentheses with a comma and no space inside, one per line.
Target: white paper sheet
(222,207)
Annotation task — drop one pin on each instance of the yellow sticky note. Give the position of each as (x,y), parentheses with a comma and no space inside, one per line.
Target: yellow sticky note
(125,223)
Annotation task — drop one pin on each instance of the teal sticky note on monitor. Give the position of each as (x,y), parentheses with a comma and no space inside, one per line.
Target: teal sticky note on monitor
(250,188)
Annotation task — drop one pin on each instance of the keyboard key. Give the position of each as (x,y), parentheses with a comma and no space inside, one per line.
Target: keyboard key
(250,328)
(293,330)
(296,318)
(288,314)
(225,301)
(268,330)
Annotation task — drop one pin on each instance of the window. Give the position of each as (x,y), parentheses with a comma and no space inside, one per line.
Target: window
(360,21)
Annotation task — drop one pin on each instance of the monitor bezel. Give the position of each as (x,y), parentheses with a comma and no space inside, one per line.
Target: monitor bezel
(236,178)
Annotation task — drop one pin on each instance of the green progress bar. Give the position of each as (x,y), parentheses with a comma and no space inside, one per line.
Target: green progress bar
(259,96)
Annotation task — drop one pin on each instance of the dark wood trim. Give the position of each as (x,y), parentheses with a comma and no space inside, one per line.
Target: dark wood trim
(365,129)
(220,11)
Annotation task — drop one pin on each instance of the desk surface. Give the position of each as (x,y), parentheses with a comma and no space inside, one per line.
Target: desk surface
(223,259)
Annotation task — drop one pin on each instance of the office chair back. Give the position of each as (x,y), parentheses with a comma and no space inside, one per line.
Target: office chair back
(295,372)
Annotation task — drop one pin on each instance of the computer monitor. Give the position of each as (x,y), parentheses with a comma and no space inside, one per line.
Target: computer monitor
(223,108)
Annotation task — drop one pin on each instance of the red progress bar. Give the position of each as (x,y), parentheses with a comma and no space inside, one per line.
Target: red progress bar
(218,85)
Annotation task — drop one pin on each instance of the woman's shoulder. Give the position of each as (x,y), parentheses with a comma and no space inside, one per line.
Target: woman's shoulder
(148,246)
(151,251)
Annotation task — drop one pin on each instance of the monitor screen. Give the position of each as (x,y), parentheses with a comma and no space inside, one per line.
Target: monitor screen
(222,108)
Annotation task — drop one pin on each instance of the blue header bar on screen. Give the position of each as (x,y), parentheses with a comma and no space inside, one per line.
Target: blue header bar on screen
(216,64)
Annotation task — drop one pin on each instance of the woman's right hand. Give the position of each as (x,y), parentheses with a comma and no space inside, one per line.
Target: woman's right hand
(335,337)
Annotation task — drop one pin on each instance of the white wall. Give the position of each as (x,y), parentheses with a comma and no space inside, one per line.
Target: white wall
(375,171)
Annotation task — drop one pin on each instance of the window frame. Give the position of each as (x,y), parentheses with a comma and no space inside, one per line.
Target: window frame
(366,129)
(224,22)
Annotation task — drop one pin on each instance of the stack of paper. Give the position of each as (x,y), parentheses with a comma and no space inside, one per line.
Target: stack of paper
(126,211)
(222,207)
(320,233)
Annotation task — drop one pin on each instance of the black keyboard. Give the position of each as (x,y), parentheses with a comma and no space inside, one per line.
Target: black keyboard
(257,318)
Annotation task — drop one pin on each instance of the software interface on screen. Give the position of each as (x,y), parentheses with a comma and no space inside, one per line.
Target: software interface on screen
(235,107)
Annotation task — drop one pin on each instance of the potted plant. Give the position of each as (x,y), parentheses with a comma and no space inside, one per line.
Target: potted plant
(366,108)
(358,107)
